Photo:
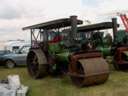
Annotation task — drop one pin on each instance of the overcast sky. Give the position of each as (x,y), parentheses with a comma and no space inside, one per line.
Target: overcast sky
(15,14)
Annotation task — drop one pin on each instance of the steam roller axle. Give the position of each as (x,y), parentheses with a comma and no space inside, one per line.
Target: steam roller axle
(88,69)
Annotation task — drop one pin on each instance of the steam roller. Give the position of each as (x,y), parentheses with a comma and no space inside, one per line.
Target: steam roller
(60,47)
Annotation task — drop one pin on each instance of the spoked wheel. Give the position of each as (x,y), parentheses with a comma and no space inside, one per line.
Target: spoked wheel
(120,58)
(37,64)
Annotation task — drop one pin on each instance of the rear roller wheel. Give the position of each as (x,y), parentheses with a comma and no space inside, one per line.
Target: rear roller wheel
(37,63)
(120,58)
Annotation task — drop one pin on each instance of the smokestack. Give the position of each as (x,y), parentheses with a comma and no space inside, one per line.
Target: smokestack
(73,28)
(115,26)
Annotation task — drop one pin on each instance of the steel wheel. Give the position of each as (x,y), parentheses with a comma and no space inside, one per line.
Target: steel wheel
(10,64)
(78,81)
(36,64)
(88,71)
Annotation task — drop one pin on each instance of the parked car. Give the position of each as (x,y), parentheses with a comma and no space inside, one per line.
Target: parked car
(3,52)
(18,58)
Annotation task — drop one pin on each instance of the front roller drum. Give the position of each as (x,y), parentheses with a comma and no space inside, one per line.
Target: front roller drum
(89,71)
(37,63)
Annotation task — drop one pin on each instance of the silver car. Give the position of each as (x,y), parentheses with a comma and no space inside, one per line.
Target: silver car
(18,58)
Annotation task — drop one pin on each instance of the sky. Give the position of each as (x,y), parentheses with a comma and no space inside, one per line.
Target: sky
(16,14)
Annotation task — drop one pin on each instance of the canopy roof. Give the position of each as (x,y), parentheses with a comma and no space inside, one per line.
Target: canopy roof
(93,27)
(59,23)
(98,26)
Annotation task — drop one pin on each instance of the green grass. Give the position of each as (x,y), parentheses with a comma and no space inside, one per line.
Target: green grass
(116,85)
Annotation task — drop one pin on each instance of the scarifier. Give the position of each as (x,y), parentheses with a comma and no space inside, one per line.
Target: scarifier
(61,47)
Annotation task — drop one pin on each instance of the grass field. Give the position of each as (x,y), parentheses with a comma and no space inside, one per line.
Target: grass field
(117,85)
